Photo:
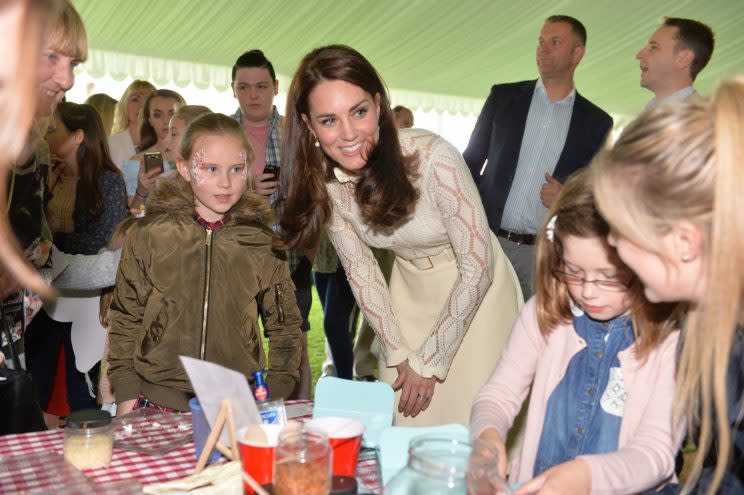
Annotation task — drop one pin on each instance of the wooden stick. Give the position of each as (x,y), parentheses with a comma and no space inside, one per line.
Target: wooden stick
(211,440)
(231,430)
(225,451)
(254,484)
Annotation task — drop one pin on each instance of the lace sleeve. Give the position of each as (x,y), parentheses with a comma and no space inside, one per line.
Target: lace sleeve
(457,199)
(369,286)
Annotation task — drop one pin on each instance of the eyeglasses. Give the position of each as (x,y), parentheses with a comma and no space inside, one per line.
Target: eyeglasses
(574,279)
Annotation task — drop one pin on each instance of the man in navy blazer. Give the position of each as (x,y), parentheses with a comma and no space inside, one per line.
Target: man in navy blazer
(529,137)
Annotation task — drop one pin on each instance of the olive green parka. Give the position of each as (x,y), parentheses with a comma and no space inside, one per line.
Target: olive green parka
(182,289)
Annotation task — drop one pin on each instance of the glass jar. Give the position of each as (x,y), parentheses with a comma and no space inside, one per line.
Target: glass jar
(302,463)
(89,439)
(441,465)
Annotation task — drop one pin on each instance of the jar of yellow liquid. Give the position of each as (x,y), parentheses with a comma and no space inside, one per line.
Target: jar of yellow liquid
(89,439)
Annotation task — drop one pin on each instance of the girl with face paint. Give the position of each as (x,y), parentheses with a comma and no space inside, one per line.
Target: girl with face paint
(203,254)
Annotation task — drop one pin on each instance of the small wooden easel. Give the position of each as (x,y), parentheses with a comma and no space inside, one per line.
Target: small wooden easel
(224,416)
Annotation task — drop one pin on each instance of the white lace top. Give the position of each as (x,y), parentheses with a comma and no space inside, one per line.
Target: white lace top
(448,214)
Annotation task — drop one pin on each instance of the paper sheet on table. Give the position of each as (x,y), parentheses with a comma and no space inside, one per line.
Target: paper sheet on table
(212,383)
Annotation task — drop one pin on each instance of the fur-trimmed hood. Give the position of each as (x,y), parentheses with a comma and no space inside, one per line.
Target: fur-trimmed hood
(173,196)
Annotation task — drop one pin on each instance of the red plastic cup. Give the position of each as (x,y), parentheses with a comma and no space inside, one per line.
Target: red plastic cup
(258,458)
(345,437)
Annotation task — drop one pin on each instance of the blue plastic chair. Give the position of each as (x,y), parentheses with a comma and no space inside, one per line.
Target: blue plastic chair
(369,402)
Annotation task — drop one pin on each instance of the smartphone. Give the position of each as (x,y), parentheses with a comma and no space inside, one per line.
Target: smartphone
(153,160)
(271,169)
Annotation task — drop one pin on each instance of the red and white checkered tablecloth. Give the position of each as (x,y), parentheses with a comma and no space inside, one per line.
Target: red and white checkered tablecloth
(126,464)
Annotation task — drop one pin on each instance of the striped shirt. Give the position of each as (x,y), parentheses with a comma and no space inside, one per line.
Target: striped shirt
(273,158)
(542,144)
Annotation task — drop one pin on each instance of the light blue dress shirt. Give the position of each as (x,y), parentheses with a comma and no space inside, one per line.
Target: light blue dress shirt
(542,144)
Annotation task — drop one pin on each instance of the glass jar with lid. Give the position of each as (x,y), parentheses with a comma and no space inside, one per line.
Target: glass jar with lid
(448,465)
(89,439)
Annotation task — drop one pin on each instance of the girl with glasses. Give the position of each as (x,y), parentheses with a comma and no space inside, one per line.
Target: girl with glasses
(599,360)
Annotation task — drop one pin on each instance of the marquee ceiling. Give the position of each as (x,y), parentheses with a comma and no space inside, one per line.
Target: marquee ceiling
(440,54)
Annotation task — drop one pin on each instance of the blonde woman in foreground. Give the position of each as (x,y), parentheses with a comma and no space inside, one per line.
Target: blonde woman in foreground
(22,21)
(671,189)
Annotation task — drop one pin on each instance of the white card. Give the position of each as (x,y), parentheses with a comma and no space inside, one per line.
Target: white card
(212,383)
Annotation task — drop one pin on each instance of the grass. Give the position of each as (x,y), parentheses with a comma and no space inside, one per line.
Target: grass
(316,339)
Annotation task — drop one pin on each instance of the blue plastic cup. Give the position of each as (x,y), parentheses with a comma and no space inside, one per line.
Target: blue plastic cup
(201,430)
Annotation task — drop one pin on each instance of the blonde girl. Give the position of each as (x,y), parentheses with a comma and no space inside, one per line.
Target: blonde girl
(196,272)
(671,188)
(177,128)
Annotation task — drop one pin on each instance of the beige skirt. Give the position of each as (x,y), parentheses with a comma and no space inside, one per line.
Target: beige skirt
(418,296)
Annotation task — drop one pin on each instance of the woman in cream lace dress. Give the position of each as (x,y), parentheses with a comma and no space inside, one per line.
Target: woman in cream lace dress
(453,295)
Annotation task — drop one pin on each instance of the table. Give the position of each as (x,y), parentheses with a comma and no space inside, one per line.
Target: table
(127,465)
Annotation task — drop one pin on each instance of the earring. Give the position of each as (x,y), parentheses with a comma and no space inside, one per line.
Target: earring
(317,142)
(685,258)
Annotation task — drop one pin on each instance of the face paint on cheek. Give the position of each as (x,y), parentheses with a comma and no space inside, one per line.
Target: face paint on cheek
(197,172)
(244,159)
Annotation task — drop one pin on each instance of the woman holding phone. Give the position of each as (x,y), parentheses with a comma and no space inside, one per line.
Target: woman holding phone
(157,111)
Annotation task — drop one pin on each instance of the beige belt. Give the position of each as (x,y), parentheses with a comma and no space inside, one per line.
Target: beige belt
(428,262)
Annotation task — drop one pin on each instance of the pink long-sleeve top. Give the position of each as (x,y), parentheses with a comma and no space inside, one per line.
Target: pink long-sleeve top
(647,444)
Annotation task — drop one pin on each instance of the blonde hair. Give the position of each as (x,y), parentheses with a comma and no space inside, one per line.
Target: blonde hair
(66,32)
(116,242)
(214,124)
(576,215)
(105,106)
(18,97)
(187,113)
(121,120)
(17,109)
(683,162)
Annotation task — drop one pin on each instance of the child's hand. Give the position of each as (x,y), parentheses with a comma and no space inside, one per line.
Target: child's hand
(492,438)
(125,407)
(569,478)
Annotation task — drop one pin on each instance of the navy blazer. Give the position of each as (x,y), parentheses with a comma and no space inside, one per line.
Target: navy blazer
(498,137)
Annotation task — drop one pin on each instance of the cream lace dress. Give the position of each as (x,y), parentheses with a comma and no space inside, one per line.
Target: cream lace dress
(453,294)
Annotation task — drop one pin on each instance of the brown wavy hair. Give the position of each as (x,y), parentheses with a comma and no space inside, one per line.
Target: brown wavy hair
(92,155)
(577,215)
(384,192)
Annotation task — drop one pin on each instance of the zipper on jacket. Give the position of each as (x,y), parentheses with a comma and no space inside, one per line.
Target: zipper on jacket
(205,307)
(278,299)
